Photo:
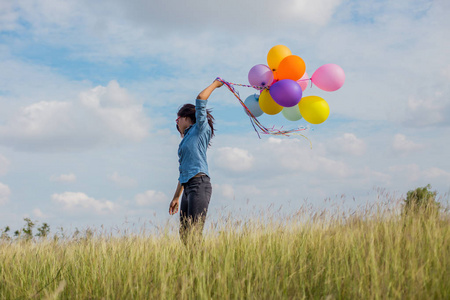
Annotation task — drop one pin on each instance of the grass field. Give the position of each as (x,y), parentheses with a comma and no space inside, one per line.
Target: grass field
(373,254)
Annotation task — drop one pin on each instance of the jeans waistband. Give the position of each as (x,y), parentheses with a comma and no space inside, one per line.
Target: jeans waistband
(202,178)
(200,175)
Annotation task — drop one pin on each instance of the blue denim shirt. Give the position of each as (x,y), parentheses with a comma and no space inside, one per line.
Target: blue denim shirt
(193,146)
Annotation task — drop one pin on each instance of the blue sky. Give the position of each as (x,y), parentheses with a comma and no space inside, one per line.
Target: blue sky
(89,94)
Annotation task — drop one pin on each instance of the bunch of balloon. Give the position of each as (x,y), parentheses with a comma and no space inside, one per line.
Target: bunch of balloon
(282,83)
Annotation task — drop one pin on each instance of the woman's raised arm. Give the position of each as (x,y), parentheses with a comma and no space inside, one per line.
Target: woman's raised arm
(204,95)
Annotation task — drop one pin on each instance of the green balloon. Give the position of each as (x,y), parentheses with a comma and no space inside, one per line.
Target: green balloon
(292,113)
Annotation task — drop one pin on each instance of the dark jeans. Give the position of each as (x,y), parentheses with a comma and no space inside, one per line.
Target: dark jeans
(194,205)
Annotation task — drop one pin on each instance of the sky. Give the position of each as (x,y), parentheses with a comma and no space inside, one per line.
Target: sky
(89,92)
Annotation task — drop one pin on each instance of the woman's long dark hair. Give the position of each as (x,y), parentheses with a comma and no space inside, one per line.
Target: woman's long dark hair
(188,110)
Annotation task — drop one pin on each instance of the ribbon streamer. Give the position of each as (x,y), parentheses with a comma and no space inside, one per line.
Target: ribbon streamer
(254,121)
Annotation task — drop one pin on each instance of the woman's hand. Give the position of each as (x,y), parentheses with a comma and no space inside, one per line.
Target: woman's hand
(204,95)
(218,83)
(173,208)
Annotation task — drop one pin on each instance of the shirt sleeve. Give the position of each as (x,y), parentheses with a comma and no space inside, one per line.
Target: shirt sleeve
(200,112)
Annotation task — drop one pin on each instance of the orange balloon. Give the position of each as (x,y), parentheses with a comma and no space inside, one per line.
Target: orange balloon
(291,67)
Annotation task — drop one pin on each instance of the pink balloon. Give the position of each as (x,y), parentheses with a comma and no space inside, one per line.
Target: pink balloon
(329,77)
(303,82)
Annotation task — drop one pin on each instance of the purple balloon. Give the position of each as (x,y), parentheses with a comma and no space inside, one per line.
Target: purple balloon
(260,75)
(286,92)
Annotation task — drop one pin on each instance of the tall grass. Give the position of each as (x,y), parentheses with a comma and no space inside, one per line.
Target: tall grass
(368,255)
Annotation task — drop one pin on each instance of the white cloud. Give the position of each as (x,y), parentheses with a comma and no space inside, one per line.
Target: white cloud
(237,191)
(5,192)
(446,72)
(151,197)
(102,115)
(122,181)
(4,165)
(437,173)
(413,172)
(174,13)
(23,83)
(113,107)
(410,171)
(225,190)
(47,16)
(348,144)
(8,15)
(39,214)
(430,110)
(401,144)
(64,178)
(177,15)
(170,31)
(76,202)
(296,155)
(372,176)
(317,12)
(104,29)
(233,159)
(250,190)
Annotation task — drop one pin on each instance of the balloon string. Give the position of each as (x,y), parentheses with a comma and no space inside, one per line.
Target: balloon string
(262,87)
(255,122)
(244,85)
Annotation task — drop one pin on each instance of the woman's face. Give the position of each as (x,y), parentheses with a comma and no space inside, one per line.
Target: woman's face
(182,124)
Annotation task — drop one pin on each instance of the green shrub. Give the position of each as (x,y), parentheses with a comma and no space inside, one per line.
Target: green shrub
(421,200)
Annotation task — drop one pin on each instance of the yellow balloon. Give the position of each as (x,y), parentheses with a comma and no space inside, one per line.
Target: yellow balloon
(314,109)
(268,105)
(276,55)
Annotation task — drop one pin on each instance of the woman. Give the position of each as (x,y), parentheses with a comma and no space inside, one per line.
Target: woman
(195,125)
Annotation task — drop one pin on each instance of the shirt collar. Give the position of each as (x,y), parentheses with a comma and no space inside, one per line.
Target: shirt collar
(187,129)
